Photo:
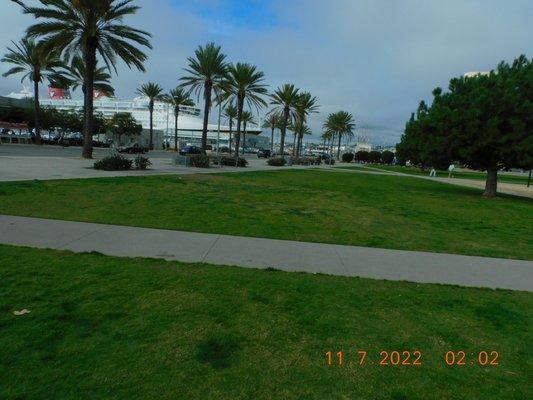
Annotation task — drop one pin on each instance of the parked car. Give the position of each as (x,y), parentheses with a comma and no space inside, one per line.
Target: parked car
(99,143)
(132,148)
(188,150)
(51,138)
(72,139)
(264,153)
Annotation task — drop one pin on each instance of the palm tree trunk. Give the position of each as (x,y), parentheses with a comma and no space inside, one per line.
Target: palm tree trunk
(284,131)
(240,105)
(294,144)
(176,114)
(272,141)
(89,55)
(330,149)
(230,134)
(207,105)
(243,137)
(151,110)
(37,110)
(491,185)
(339,148)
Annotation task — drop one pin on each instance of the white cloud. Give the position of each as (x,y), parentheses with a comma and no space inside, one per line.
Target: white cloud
(376,59)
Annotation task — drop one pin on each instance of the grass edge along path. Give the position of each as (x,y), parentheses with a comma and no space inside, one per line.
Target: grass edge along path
(367,210)
(458,174)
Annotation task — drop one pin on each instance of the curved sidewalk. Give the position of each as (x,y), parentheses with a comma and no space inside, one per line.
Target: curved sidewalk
(286,255)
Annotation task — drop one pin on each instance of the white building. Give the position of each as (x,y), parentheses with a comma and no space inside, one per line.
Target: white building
(190,122)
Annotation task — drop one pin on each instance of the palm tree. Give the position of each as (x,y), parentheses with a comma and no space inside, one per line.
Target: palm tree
(230,114)
(328,138)
(245,82)
(247,118)
(89,27)
(271,122)
(178,98)
(339,124)
(207,72)
(154,92)
(285,100)
(37,64)
(306,105)
(293,127)
(74,75)
(300,129)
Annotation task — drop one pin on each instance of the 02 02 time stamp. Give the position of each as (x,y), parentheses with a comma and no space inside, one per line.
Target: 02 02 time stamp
(411,358)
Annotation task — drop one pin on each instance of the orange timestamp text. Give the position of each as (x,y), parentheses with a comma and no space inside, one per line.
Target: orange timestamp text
(410,358)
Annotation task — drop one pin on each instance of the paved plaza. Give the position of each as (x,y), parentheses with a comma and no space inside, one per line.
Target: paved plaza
(29,162)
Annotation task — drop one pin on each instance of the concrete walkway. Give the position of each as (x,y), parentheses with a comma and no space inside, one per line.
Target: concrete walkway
(513,189)
(261,253)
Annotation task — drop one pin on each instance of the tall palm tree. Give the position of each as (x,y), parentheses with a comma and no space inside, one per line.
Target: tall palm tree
(328,137)
(153,92)
(245,82)
(285,100)
(339,124)
(293,127)
(207,72)
(247,119)
(74,74)
(230,114)
(36,63)
(271,122)
(89,27)
(306,104)
(300,129)
(178,98)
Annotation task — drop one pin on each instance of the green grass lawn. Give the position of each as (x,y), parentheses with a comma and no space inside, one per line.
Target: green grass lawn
(481,176)
(305,205)
(116,328)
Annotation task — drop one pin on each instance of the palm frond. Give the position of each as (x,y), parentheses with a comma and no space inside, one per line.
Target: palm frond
(151,90)
(207,68)
(71,25)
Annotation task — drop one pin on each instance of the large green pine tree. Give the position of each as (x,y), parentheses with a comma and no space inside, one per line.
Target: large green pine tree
(485,122)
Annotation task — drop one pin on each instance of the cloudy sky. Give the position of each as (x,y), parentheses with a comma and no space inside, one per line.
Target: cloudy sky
(374,58)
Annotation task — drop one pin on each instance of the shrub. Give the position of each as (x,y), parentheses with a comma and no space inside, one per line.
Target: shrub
(116,162)
(276,161)
(142,162)
(348,157)
(374,156)
(329,161)
(230,161)
(305,161)
(361,156)
(387,157)
(199,161)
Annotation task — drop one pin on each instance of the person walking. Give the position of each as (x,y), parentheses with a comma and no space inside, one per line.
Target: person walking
(433,173)
(451,168)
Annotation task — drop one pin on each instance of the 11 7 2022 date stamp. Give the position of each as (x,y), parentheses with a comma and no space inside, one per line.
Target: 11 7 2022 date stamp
(411,358)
